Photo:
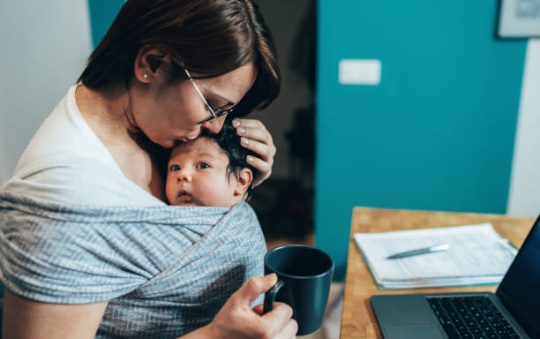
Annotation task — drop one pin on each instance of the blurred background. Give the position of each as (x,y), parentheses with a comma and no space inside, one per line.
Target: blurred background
(398,104)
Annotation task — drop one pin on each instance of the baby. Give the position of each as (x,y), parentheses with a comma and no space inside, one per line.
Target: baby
(211,170)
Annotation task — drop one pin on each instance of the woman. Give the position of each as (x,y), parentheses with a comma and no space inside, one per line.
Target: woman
(165,71)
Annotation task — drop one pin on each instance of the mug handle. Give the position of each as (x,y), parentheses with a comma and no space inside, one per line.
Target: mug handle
(270,296)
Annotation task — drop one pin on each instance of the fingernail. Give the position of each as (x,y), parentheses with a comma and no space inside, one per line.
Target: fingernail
(236,122)
(250,158)
(242,130)
(244,141)
(272,278)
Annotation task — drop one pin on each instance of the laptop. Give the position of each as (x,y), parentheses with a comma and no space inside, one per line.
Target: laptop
(513,311)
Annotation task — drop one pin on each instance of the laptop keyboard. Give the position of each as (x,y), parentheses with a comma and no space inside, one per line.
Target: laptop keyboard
(471,317)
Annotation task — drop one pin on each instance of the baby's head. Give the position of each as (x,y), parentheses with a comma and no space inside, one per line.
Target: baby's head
(211,170)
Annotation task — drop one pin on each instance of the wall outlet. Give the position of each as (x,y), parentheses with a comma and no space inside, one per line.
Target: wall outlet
(360,72)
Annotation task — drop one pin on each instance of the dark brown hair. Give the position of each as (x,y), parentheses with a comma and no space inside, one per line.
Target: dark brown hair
(229,143)
(208,37)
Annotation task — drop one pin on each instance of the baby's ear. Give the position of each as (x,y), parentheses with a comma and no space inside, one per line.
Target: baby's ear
(244,180)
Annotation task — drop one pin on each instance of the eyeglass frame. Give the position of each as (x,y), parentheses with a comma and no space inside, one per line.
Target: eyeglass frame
(215,114)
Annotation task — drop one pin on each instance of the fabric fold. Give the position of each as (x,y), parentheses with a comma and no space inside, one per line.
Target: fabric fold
(165,270)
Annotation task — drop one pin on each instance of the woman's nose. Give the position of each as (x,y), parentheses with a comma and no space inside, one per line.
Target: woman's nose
(215,125)
(194,133)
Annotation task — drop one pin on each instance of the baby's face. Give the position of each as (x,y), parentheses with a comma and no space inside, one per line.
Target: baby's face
(197,176)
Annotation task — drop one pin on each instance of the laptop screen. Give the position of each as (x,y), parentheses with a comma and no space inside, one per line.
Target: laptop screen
(520,287)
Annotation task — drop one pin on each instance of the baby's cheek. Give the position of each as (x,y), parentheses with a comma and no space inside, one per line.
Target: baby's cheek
(212,188)
(170,188)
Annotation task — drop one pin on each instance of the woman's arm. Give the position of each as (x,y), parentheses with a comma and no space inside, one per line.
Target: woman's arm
(28,319)
(24,318)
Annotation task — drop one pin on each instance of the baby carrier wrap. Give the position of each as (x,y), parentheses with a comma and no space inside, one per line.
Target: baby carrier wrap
(165,270)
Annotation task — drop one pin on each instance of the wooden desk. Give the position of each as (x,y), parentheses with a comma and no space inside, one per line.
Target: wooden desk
(358,320)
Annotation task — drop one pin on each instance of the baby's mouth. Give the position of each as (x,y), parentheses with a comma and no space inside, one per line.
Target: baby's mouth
(184,197)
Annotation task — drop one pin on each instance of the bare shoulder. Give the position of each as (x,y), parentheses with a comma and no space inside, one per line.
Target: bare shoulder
(24,318)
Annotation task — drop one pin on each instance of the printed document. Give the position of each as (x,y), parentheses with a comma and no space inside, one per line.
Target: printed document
(477,255)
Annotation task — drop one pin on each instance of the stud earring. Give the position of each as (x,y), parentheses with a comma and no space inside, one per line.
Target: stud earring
(145,76)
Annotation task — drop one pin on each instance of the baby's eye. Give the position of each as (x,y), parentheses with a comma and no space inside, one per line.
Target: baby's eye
(174,168)
(203,165)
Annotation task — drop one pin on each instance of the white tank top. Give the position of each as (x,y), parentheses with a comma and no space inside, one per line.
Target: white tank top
(66,162)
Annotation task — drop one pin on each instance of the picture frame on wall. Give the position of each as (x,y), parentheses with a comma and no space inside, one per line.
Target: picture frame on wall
(519,19)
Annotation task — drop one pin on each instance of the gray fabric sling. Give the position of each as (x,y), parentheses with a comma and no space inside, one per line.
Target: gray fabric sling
(166,270)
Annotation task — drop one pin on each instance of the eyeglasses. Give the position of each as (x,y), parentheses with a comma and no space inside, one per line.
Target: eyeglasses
(216,113)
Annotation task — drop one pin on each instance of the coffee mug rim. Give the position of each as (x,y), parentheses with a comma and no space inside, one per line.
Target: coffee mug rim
(328,271)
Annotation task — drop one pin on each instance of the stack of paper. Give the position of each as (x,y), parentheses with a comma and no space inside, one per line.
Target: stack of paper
(476,255)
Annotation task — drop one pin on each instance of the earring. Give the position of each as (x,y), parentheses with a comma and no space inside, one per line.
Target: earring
(145,76)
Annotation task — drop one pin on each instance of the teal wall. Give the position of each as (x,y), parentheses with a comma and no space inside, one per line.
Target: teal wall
(102,14)
(436,134)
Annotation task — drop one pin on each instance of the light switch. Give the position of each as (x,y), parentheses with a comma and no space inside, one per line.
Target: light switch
(360,72)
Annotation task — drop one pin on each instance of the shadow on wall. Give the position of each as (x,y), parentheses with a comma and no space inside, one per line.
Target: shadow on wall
(284,205)
(285,211)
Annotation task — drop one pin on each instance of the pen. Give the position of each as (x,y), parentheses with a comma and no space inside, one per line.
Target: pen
(419,251)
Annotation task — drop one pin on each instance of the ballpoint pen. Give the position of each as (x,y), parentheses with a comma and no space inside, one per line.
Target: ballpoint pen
(419,251)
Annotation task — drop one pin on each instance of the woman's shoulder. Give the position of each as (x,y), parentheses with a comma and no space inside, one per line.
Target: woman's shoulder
(77,178)
(64,131)
(66,162)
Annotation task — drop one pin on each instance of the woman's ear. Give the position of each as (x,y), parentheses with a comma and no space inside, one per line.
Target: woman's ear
(148,62)
(244,180)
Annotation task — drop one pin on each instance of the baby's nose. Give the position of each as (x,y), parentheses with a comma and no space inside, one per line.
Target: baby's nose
(184,175)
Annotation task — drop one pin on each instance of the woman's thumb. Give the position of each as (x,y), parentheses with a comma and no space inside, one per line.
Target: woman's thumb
(255,286)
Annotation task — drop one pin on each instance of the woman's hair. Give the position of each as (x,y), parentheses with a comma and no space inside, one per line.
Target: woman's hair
(208,37)
(229,142)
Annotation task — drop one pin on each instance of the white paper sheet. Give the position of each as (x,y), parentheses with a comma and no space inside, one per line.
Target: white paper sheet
(477,254)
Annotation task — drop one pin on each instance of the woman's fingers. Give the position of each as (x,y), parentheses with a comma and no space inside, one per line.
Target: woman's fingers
(279,321)
(259,309)
(259,148)
(255,133)
(265,149)
(254,287)
(290,330)
(237,320)
(273,321)
(256,138)
(264,168)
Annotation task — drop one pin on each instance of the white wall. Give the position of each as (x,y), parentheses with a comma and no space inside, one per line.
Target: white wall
(524,196)
(44,45)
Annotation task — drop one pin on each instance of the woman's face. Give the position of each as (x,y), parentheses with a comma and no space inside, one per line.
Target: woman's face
(168,114)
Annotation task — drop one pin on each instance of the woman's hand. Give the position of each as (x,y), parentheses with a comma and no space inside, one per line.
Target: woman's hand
(236,319)
(256,138)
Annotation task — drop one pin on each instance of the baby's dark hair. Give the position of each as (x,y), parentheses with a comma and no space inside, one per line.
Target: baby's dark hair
(229,142)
